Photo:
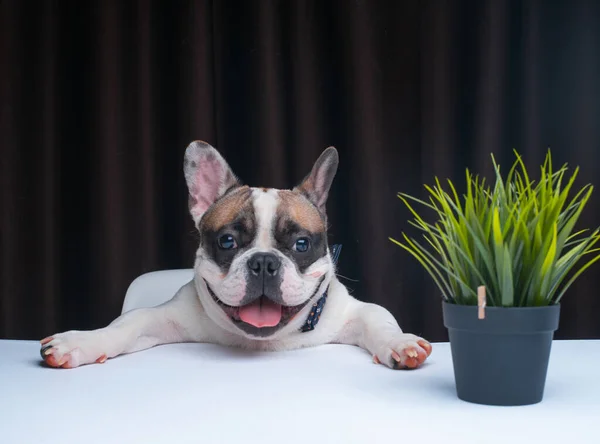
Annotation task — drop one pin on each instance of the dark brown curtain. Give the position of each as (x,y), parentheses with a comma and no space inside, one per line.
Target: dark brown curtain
(99,100)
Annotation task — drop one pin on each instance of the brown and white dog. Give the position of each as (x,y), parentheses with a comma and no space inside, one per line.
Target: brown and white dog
(262,262)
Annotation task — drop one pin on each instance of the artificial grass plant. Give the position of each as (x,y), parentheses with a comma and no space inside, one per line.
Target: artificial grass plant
(516,238)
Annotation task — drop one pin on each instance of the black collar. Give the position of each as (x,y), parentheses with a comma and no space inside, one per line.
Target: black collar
(315,313)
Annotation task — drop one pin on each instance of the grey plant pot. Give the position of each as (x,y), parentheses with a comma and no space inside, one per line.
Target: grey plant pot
(502,359)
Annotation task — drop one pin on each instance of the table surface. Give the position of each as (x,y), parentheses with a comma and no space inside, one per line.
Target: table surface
(202,393)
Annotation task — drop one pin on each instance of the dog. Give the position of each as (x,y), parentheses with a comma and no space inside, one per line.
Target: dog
(262,265)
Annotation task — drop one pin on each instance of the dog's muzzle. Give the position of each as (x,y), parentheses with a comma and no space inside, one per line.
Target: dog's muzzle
(261,316)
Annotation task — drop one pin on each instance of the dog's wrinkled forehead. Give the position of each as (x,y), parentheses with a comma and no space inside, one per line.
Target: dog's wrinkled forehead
(264,218)
(234,207)
(294,207)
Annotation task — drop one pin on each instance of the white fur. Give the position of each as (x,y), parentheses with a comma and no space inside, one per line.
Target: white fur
(185,318)
(295,287)
(231,288)
(265,205)
(192,315)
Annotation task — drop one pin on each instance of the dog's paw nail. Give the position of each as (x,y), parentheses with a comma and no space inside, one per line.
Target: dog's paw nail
(411,363)
(102,359)
(63,361)
(426,346)
(46,340)
(376,360)
(396,356)
(48,350)
(43,351)
(412,353)
(397,365)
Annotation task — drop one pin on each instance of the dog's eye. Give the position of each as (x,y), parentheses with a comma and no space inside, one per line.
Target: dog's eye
(227,242)
(301,245)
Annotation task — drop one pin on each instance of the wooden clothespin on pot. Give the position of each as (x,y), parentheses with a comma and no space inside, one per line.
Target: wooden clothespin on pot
(481,302)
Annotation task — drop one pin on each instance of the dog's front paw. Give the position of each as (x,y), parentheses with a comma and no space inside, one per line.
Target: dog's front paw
(403,351)
(73,348)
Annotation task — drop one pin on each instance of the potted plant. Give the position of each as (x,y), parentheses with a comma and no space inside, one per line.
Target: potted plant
(517,241)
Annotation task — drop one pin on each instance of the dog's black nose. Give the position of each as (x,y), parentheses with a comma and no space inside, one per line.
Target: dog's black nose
(266,264)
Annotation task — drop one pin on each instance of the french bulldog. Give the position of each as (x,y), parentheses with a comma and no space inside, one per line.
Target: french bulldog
(262,262)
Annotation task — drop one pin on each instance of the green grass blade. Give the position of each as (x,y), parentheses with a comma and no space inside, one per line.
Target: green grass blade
(575,276)
(443,286)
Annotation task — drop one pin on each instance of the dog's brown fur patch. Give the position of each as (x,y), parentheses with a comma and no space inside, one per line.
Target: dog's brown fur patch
(295,206)
(228,209)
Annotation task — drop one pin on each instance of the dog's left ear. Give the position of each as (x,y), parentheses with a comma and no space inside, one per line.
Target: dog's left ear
(316,185)
(208,177)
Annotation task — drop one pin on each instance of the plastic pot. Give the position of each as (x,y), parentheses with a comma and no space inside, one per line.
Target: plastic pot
(502,359)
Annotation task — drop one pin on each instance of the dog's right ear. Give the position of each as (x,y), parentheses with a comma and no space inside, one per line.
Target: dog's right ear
(208,177)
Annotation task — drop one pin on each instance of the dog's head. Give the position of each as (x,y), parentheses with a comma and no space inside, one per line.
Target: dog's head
(263,254)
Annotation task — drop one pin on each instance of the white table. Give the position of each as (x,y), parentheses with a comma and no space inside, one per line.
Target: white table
(199,393)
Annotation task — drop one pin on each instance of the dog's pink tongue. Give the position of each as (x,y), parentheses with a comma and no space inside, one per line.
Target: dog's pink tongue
(261,313)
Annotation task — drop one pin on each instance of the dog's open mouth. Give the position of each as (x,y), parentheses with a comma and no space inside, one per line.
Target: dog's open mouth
(261,313)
